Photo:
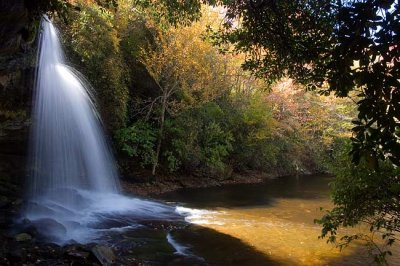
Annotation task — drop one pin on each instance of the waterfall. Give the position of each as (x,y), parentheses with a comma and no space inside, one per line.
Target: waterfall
(73,183)
(68,146)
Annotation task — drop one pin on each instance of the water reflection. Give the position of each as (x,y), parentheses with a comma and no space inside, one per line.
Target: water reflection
(251,195)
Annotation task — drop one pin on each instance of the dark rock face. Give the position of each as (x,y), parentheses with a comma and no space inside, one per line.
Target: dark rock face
(17,59)
(17,55)
(14,18)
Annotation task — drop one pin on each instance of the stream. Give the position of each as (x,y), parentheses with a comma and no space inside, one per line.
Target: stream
(261,224)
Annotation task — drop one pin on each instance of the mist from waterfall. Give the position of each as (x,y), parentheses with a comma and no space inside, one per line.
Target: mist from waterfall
(73,183)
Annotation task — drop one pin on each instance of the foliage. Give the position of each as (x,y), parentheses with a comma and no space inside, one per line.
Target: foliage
(198,139)
(252,126)
(193,136)
(363,196)
(347,44)
(94,43)
(173,163)
(280,37)
(373,44)
(185,70)
(138,141)
(183,63)
(211,115)
(205,111)
(38,7)
(217,145)
(172,12)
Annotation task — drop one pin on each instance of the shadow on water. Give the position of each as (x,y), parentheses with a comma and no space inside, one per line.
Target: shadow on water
(244,195)
(160,243)
(221,249)
(202,246)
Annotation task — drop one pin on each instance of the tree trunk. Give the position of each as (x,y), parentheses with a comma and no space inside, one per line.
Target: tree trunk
(161,131)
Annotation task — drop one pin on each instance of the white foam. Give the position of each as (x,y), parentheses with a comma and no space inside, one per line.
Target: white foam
(197,216)
(180,249)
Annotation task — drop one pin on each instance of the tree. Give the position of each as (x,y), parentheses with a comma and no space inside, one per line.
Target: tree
(349,45)
(185,68)
(338,47)
(94,44)
(363,195)
(190,77)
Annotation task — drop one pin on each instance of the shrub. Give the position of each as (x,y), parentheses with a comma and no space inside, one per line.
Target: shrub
(366,193)
(138,141)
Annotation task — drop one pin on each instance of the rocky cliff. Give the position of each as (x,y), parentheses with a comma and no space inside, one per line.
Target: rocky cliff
(17,59)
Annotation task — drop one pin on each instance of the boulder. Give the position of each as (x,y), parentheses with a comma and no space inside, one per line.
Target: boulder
(49,228)
(23,237)
(105,255)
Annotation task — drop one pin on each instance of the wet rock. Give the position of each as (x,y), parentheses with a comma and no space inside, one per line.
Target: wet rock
(77,251)
(105,255)
(39,209)
(17,202)
(26,226)
(23,237)
(49,227)
(3,201)
(50,263)
(17,254)
(78,254)
(48,251)
(71,242)
(4,261)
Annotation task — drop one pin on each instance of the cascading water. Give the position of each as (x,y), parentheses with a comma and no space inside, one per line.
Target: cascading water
(69,150)
(73,184)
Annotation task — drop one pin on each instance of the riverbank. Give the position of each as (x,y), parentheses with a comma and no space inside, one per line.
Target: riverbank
(170,183)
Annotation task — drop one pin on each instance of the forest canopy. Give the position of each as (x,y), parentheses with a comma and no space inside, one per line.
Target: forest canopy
(331,46)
